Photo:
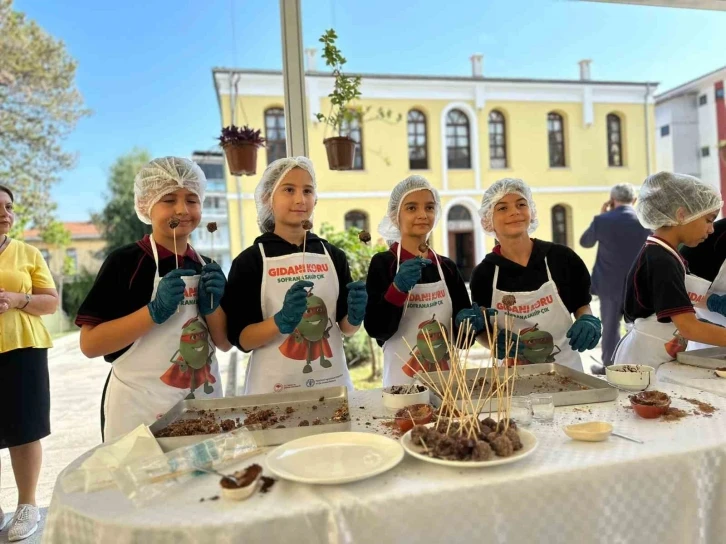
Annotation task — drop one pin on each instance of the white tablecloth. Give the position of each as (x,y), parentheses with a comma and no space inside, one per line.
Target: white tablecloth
(692,376)
(672,489)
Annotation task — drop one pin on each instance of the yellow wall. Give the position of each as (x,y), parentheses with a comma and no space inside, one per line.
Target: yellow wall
(86,250)
(527,152)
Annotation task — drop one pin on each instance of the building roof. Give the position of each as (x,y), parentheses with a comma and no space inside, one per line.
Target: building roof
(415,77)
(692,86)
(79,231)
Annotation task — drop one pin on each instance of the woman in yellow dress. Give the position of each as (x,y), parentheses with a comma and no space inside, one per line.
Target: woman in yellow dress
(27,292)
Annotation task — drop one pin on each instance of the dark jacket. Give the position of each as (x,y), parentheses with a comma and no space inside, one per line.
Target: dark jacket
(620,237)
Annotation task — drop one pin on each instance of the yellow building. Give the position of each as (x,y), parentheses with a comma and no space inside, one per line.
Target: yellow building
(571,140)
(85,249)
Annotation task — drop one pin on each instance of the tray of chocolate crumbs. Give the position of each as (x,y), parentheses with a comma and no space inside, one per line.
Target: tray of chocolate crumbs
(273,418)
(710,358)
(566,385)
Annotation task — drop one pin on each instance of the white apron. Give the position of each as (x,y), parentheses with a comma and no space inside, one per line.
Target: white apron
(650,342)
(312,356)
(172,361)
(718,287)
(425,302)
(541,320)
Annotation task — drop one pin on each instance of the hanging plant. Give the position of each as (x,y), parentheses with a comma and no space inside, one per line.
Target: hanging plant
(240,148)
(346,89)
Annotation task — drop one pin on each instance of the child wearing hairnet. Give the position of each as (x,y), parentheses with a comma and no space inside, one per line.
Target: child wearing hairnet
(540,284)
(290,297)
(155,313)
(661,293)
(413,293)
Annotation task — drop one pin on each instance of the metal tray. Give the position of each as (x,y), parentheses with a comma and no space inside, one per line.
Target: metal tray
(234,407)
(581,388)
(711,358)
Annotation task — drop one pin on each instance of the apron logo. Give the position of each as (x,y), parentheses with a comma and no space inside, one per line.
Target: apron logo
(431,349)
(526,308)
(278,387)
(310,383)
(309,340)
(695,298)
(539,346)
(297,270)
(192,362)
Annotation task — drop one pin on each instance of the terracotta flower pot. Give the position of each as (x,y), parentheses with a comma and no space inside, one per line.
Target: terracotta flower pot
(241,158)
(341,152)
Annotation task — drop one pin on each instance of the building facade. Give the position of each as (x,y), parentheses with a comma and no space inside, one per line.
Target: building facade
(571,140)
(215,209)
(85,250)
(690,124)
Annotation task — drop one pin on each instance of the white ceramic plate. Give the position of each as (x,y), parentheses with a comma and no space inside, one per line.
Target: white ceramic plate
(334,458)
(529,444)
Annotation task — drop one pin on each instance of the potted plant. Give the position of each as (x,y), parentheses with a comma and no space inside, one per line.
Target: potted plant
(240,147)
(346,89)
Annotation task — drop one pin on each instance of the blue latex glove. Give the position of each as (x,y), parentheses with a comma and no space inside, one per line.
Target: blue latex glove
(357,300)
(585,333)
(502,344)
(211,288)
(717,303)
(169,295)
(474,316)
(293,308)
(409,273)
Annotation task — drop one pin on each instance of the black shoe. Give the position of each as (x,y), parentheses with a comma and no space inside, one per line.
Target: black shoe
(597,370)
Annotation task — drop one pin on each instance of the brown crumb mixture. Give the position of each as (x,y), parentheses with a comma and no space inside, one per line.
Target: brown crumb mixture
(674,414)
(704,407)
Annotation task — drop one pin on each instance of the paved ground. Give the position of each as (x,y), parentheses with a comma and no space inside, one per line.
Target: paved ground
(76,386)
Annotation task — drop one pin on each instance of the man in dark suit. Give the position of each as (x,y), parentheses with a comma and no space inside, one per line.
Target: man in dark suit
(620,237)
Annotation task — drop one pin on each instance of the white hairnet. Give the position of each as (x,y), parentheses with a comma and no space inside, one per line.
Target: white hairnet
(497,191)
(664,193)
(271,178)
(163,176)
(389,228)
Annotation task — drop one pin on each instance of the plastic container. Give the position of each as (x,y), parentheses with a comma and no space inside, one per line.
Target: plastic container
(394,402)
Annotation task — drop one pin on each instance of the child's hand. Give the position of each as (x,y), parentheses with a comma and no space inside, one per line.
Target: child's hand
(296,302)
(211,288)
(357,300)
(168,295)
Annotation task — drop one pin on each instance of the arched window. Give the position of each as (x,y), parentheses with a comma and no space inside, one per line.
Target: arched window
(418,157)
(615,140)
(561,224)
(458,147)
(351,128)
(556,139)
(357,219)
(497,140)
(275,134)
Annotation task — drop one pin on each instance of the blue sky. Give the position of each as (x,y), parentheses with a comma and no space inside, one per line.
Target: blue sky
(145,67)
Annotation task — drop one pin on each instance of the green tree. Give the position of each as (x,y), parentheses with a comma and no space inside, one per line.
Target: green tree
(117,222)
(57,236)
(359,347)
(39,107)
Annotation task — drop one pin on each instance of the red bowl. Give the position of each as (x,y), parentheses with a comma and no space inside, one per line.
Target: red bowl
(405,423)
(649,412)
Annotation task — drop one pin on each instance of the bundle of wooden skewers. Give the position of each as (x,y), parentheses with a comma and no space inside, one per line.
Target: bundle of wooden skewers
(458,433)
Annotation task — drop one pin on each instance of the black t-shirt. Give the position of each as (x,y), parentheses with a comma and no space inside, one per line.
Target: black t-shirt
(125,283)
(385,303)
(656,285)
(568,272)
(242,298)
(706,258)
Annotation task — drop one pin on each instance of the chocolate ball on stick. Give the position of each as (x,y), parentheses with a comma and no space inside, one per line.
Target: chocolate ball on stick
(364,236)
(307,225)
